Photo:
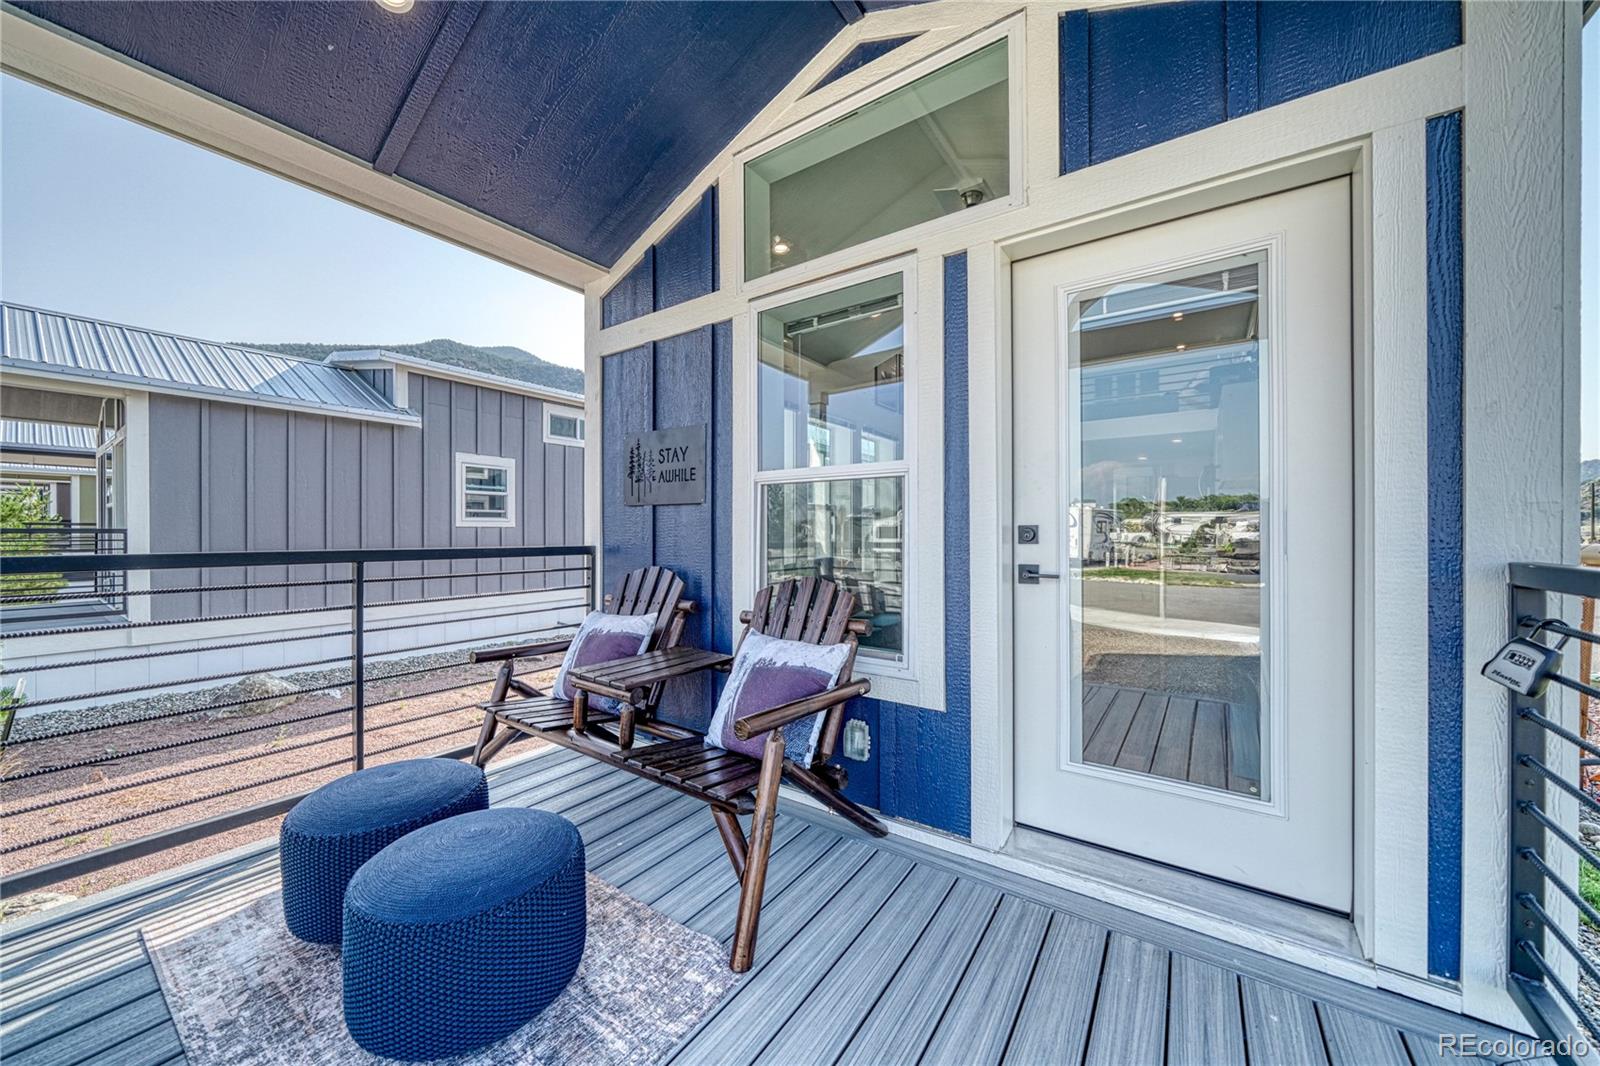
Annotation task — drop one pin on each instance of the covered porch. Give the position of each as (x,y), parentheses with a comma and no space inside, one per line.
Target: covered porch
(872,952)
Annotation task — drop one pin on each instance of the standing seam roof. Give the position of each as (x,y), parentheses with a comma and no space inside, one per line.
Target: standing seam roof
(85,347)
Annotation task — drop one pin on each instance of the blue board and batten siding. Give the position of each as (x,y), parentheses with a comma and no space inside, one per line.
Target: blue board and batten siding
(1446,526)
(1133,77)
(680,266)
(686,380)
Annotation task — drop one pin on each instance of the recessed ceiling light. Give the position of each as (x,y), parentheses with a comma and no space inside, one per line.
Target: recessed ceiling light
(1143,458)
(1177,440)
(1177,316)
(398,7)
(1181,347)
(779,245)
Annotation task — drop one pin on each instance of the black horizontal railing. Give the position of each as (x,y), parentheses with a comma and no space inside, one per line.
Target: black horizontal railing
(1548,665)
(149,716)
(72,586)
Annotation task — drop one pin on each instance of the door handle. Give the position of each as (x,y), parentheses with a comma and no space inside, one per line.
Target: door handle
(1029,574)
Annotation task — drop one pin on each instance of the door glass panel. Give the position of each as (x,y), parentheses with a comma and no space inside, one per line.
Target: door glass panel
(1165,531)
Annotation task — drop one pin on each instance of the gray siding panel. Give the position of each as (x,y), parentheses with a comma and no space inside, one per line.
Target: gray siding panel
(230,478)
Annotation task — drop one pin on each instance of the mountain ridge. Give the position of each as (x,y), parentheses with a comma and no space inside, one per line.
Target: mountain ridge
(502,360)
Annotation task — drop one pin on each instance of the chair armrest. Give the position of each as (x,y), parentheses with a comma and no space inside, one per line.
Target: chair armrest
(765,721)
(520,651)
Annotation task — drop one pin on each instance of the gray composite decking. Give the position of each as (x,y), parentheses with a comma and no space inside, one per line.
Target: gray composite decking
(869,952)
(1185,738)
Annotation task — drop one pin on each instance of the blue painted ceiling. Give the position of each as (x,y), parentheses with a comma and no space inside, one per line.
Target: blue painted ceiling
(576,123)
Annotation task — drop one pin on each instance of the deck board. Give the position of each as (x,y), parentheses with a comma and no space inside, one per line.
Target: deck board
(870,952)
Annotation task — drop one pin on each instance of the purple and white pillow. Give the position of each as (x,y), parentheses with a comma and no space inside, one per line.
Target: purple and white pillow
(769,672)
(602,638)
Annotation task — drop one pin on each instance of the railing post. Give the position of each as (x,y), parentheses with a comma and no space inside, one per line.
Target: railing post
(1527,789)
(594,578)
(358,682)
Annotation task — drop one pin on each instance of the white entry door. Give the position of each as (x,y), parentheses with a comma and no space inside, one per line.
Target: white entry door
(1183,507)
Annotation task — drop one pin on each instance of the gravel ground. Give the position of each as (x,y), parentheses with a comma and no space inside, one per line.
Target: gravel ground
(292,744)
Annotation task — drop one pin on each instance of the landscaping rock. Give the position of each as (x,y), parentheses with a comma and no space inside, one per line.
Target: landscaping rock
(265,693)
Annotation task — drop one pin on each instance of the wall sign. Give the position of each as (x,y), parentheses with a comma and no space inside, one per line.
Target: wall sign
(666,467)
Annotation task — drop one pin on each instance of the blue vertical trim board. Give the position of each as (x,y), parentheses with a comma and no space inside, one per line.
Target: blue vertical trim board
(722,608)
(1243,47)
(633,295)
(1445,527)
(684,539)
(1074,47)
(1136,76)
(957,553)
(626,382)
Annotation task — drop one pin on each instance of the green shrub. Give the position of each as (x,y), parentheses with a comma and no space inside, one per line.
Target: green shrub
(23,506)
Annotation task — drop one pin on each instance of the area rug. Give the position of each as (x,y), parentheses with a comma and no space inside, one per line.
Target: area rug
(245,992)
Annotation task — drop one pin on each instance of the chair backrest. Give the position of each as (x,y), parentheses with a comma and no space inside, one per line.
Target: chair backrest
(812,609)
(817,611)
(652,590)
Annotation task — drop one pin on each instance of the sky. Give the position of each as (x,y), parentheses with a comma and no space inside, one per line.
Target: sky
(105,218)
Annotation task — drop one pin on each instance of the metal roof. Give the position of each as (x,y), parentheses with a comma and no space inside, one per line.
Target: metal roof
(40,341)
(367,357)
(45,468)
(53,437)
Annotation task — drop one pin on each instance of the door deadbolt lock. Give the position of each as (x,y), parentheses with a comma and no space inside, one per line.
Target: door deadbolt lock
(1029,574)
(1027,534)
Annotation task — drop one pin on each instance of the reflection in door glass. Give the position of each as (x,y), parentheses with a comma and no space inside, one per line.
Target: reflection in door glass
(1165,526)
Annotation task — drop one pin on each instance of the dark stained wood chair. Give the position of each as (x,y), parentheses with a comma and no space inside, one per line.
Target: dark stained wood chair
(516,708)
(731,783)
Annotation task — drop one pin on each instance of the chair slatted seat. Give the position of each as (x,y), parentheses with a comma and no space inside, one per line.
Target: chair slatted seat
(532,712)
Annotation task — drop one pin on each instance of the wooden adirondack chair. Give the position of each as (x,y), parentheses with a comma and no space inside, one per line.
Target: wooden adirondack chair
(650,589)
(731,783)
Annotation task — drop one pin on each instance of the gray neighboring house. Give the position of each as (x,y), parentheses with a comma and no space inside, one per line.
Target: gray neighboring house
(59,459)
(202,446)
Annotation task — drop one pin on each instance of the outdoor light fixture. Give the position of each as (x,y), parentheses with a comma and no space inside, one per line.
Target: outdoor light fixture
(1177,316)
(397,7)
(779,245)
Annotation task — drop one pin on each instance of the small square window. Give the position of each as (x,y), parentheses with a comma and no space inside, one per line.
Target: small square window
(563,425)
(485,490)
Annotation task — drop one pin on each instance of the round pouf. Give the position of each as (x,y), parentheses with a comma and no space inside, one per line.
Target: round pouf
(341,825)
(460,933)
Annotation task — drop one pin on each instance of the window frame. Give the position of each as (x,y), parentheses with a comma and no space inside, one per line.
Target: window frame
(1012,31)
(501,462)
(868,661)
(551,437)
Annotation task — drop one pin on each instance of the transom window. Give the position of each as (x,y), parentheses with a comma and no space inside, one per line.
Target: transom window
(831,453)
(563,425)
(932,148)
(485,490)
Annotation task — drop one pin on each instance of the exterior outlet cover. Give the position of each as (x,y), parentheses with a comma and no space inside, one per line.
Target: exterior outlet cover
(857,740)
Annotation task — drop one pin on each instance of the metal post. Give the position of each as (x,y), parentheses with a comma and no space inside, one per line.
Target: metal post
(358,683)
(594,579)
(1526,787)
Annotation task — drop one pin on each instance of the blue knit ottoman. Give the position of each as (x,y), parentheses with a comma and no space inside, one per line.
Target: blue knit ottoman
(460,933)
(341,825)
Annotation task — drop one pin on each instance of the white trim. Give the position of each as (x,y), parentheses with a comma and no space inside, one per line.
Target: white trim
(1520,139)
(493,462)
(551,437)
(383,359)
(916,676)
(58,59)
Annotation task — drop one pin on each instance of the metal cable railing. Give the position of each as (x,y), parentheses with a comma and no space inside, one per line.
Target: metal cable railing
(1546,959)
(118,732)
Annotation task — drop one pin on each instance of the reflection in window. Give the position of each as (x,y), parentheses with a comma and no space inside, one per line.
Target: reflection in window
(1165,530)
(831,387)
(831,393)
(849,531)
(934,147)
(484,490)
